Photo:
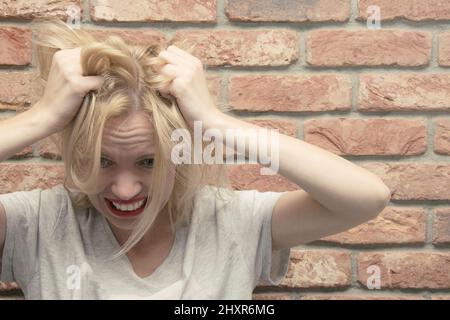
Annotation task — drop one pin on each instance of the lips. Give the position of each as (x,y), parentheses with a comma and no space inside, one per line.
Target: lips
(121,213)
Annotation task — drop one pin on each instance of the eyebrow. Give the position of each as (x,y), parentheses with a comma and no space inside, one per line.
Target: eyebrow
(147,155)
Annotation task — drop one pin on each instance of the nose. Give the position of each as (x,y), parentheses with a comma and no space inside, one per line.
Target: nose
(127,186)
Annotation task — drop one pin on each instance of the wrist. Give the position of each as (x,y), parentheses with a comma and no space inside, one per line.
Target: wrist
(42,118)
(212,119)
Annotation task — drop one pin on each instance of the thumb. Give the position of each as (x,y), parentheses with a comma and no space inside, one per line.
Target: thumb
(93,82)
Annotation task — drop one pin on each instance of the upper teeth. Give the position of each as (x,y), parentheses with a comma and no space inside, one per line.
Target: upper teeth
(128,207)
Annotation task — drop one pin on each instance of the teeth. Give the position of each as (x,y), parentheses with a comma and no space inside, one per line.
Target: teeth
(128,207)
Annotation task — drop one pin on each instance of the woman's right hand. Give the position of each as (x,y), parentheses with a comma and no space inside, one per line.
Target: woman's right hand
(65,89)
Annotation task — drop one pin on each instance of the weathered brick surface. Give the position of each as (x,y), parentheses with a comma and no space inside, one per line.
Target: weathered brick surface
(30,9)
(318,269)
(392,226)
(367,136)
(441,226)
(290,93)
(413,10)
(271,296)
(401,270)
(271,47)
(402,92)
(414,181)
(18,90)
(248,177)
(340,48)
(311,69)
(444,49)
(153,11)
(15,47)
(442,136)
(22,177)
(292,11)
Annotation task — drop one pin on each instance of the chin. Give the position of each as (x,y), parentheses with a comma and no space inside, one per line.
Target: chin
(123,224)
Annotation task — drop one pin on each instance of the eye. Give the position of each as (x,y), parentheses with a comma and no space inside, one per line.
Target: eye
(104,162)
(148,162)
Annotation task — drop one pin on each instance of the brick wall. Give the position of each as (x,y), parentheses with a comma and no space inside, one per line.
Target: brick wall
(315,70)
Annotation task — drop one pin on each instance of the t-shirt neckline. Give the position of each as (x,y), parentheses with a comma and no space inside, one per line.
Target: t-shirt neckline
(125,261)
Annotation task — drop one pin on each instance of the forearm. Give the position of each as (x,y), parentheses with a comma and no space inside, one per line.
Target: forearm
(333,181)
(21,131)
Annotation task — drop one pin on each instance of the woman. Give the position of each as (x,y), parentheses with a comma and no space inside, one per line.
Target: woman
(129,222)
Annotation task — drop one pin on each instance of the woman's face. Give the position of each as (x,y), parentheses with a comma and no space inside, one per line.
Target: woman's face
(125,169)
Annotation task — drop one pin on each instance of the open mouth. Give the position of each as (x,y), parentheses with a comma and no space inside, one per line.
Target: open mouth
(125,213)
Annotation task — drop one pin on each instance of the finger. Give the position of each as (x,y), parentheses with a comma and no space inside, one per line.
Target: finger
(170,70)
(171,57)
(72,61)
(180,52)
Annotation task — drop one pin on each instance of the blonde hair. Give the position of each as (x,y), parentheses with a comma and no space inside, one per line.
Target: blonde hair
(131,83)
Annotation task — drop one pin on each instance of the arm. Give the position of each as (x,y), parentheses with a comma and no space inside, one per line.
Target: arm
(337,194)
(28,127)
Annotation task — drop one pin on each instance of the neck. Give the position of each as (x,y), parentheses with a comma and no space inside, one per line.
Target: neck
(160,231)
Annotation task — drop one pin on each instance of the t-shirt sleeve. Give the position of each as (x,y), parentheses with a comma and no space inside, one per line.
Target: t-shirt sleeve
(26,225)
(252,224)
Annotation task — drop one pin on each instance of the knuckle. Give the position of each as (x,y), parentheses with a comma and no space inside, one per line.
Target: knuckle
(58,54)
(198,62)
(76,86)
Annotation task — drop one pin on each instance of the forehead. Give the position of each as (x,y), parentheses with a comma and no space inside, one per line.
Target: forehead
(130,134)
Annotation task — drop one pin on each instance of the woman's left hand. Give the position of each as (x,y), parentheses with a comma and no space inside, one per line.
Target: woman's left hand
(188,85)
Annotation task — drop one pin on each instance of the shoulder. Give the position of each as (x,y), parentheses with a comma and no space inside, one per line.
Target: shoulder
(237,205)
(227,198)
(27,207)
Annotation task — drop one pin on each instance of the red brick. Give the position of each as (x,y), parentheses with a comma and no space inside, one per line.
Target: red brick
(290,93)
(272,296)
(292,11)
(271,47)
(368,136)
(407,181)
(442,136)
(283,126)
(153,11)
(138,36)
(413,181)
(18,91)
(444,49)
(441,226)
(23,177)
(401,92)
(402,270)
(47,149)
(15,46)
(25,153)
(413,10)
(339,48)
(27,10)
(440,297)
(393,226)
(318,269)
(248,177)
(8,286)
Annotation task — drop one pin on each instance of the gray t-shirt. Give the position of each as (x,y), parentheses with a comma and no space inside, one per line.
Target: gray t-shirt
(55,252)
